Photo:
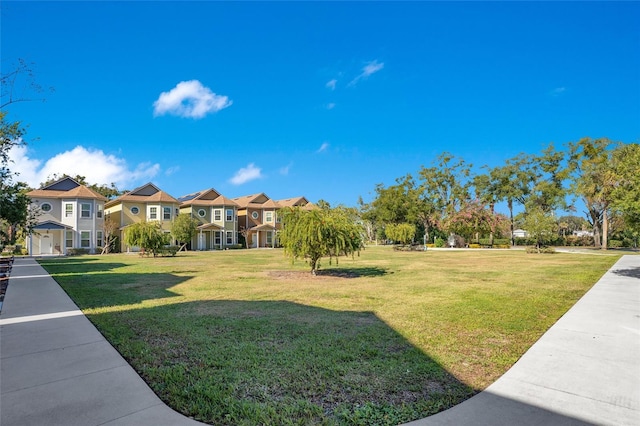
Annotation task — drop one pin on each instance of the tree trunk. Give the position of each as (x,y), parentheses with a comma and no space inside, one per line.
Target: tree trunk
(513,239)
(605,229)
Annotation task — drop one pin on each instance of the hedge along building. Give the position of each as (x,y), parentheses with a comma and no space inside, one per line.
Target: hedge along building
(217,216)
(69,215)
(145,203)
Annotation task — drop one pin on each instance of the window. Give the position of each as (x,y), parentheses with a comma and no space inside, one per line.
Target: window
(166,213)
(269,238)
(268,216)
(153,213)
(85,239)
(202,212)
(46,207)
(229,237)
(68,210)
(85,210)
(68,239)
(99,211)
(99,239)
(255,215)
(217,238)
(135,210)
(229,215)
(278,218)
(217,215)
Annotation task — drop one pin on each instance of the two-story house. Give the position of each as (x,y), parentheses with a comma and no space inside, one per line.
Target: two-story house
(145,203)
(217,215)
(69,216)
(257,216)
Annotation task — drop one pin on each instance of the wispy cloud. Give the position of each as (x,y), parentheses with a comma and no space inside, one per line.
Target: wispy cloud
(285,170)
(369,69)
(189,99)
(96,166)
(323,147)
(172,170)
(246,174)
(331,84)
(558,91)
(331,105)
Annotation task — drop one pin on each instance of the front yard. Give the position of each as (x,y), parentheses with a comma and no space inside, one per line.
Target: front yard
(244,337)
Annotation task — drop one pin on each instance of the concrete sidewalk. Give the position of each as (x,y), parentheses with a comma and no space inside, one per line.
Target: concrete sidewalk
(584,370)
(57,369)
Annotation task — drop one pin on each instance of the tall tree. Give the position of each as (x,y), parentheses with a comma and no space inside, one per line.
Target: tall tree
(540,225)
(445,186)
(183,229)
(509,183)
(318,233)
(594,180)
(626,192)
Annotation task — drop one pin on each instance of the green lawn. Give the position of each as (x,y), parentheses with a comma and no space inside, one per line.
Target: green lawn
(244,337)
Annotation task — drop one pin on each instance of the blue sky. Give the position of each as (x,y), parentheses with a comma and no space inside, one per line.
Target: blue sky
(320,99)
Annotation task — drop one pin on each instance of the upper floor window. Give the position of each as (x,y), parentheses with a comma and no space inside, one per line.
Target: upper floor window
(153,213)
(135,210)
(268,216)
(229,215)
(99,211)
(46,207)
(166,213)
(217,215)
(202,212)
(255,215)
(68,210)
(85,210)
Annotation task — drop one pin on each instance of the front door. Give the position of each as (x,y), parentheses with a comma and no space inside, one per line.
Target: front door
(46,244)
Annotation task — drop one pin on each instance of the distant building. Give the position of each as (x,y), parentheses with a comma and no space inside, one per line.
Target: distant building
(583,233)
(520,233)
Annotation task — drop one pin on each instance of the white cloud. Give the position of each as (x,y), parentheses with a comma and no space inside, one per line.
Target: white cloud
(331,84)
(323,147)
(331,105)
(558,91)
(189,99)
(96,166)
(371,68)
(246,174)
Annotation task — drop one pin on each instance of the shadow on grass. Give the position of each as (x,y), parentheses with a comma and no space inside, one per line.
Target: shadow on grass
(353,272)
(234,362)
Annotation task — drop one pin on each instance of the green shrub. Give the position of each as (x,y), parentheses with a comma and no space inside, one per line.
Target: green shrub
(439,242)
(614,243)
(542,250)
(77,251)
(474,246)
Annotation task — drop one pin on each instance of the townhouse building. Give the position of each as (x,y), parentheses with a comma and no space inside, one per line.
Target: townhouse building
(68,216)
(145,203)
(218,218)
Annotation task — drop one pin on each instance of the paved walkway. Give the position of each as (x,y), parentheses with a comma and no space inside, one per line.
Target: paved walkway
(57,369)
(584,370)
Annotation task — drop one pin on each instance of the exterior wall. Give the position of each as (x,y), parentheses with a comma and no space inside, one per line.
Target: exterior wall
(54,241)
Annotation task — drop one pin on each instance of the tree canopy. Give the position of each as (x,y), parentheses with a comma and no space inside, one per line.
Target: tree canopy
(314,234)
(146,235)
(184,228)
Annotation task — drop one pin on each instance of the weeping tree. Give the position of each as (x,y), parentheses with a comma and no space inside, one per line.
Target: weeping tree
(146,235)
(318,233)
(401,232)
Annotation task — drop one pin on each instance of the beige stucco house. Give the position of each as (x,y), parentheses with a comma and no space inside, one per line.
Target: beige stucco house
(145,203)
(69,216)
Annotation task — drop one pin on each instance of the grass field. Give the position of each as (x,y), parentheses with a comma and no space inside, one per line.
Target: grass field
(245,337)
